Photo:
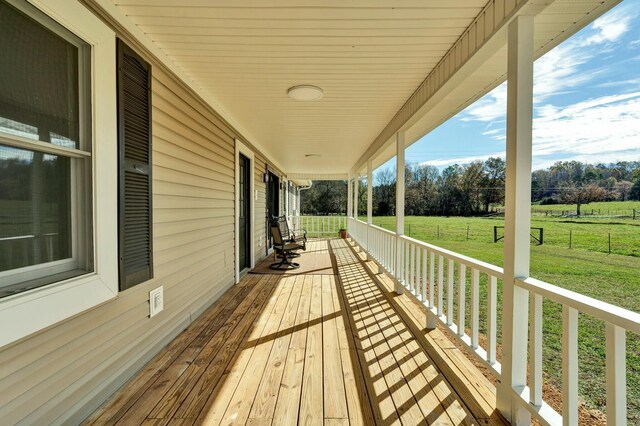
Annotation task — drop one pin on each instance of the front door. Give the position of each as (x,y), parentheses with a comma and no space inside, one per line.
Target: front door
(273,202)
(244,216)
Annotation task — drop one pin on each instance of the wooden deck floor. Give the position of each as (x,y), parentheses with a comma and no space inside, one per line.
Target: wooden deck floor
(307,349)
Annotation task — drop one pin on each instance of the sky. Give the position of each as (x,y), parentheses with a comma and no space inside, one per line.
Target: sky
(586,103)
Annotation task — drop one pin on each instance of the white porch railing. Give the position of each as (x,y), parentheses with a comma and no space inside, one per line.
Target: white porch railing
(319,226)
(438,278)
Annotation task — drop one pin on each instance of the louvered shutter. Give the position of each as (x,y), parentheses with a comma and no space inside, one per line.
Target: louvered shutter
(134,146)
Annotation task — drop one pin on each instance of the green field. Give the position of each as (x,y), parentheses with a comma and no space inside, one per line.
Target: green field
(585,269)
(590,234)
(599,208)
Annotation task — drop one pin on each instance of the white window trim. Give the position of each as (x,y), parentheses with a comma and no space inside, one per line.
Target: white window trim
(244,150)
(42,307)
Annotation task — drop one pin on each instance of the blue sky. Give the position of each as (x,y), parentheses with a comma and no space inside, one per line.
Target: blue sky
(586,103)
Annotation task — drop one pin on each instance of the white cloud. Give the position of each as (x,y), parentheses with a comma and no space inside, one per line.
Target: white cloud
(491,132)
(609,125)
(491,107)
(442,162)
(632,82)
(559,71)
(609,27)
(604,129)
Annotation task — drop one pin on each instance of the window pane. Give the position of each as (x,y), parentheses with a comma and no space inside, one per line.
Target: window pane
(35,208)
(39,88)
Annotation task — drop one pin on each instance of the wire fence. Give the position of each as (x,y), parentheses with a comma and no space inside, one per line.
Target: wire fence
(621,239)
(596,213)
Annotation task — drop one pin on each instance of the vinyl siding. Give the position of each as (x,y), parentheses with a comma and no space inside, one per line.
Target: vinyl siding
(260,211)
(60,375)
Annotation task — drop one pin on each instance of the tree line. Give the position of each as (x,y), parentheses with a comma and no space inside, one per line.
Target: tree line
(476,188)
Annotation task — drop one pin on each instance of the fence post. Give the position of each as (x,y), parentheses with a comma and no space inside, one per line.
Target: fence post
(570,237)
(467,232)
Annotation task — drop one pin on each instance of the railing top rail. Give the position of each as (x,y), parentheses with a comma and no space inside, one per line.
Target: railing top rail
(469,261)
(613,314)
(378,228)
(321,216)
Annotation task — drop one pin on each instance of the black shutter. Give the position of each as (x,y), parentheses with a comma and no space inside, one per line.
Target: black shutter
(134,170)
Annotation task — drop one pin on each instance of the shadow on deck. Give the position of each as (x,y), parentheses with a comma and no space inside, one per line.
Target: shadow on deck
(307,349)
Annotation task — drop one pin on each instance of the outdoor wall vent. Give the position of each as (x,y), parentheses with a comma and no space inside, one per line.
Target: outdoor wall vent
(156,301)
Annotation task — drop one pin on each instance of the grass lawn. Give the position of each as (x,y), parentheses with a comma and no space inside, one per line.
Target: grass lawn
(608,208)
(581,233)
(611,278)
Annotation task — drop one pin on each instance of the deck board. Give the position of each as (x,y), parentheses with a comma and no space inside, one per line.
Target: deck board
(307,349)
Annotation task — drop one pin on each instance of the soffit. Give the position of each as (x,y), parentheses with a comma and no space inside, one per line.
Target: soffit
(368,56)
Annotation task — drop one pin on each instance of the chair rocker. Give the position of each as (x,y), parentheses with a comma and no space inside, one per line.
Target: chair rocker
(290,236)
(284,248)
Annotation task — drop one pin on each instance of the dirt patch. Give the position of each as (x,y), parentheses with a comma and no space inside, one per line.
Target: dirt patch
(551,394)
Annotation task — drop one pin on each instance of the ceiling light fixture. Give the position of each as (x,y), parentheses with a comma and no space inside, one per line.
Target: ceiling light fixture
(305,93)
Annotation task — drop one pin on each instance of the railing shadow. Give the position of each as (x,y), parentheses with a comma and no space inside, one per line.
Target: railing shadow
(360,294)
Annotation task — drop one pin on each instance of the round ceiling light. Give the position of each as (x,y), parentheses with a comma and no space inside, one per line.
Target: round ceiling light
(305,93)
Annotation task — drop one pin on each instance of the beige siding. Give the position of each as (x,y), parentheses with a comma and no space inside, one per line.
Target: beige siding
(63,373)
(260,227)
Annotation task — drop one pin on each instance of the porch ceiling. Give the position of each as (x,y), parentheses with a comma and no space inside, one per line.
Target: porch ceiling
(369,57)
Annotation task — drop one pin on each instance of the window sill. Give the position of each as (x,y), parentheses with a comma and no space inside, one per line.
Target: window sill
(39,308)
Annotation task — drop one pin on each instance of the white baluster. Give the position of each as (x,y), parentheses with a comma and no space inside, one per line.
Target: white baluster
(492,305)
(406,253)
(569,366)
(616,375)
(462,291)
(475,307)
(424,276)
(440,284)
(450,292)
(412,269)
(432,277)
(535,349)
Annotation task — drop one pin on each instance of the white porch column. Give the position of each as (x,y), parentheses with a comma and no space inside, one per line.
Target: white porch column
(517,218)
(356,191)
(399,210)
(369,192)
(349,198)
(369,204)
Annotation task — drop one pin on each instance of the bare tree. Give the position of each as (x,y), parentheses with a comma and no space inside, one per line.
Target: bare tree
(622,188)
(579,195)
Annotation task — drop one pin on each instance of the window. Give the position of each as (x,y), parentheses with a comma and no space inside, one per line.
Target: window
(45,151)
